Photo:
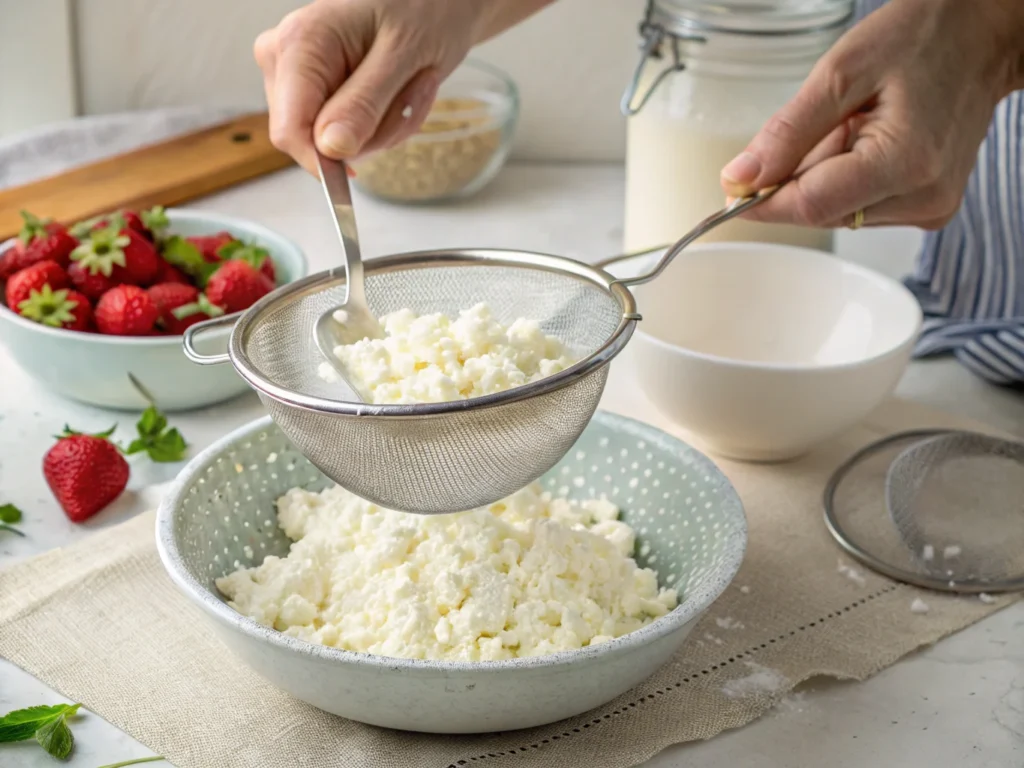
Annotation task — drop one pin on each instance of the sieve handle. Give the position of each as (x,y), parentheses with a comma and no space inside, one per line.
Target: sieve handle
(731,211)
(188,340)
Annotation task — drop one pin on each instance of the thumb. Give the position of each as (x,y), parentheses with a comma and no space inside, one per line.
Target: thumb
(827,98)
(351,116)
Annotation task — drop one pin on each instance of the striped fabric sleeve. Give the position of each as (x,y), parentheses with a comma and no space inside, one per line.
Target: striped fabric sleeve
(969,277)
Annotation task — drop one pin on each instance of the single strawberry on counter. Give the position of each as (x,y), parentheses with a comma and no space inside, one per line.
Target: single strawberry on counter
(65,309)
(181,306)
(39,240)
(23,283)
(120,253)
(126,310)
(236,286)
(256,257)
(85,473)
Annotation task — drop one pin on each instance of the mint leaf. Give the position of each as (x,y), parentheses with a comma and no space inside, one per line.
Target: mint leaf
(156,440)
(9,514)
(55,737)
(136,761)
(22,724)
(182,254)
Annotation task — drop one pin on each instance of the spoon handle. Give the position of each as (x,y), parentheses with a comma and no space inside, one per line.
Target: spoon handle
(334,176)
(731,211)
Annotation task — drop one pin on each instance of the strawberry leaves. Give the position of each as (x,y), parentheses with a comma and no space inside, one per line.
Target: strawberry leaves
(253,255)
(155,439)
(32,227)
(48,725)
(155,220)
(180,253)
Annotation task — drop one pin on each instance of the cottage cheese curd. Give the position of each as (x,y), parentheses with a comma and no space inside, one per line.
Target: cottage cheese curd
(432,358)
(527,576)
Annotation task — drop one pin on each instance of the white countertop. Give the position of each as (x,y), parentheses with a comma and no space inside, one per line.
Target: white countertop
(960,703)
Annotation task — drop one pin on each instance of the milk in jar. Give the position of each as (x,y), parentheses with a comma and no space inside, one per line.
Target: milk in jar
(710,76)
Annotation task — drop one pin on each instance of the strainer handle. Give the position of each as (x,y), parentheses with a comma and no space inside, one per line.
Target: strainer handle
(188,340)
(731,211)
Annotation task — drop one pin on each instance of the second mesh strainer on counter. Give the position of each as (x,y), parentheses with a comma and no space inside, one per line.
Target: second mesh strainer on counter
(938,509)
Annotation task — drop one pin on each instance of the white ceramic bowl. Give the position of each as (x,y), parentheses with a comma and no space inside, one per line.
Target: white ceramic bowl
(764,351)
(93,368)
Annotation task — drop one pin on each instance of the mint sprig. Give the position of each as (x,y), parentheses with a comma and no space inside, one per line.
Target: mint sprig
(10,514)
(47,724)
(155,439)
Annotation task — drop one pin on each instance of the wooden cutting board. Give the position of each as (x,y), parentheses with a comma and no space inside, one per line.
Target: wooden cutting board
(167,173)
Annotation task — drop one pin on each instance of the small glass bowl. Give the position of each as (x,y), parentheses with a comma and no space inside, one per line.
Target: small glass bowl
(460,147)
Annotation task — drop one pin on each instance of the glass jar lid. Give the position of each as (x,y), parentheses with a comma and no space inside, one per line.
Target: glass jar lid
(788,29)
(749,17)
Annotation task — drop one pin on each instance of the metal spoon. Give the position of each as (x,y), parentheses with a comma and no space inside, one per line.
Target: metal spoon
(351,321)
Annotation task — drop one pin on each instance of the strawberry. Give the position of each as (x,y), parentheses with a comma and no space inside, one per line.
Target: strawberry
(209,245)
(91,284)
(236,286)
(171,274)
(256,257)
(120,253)
(32,279)
(181,306)
(58,309)
(126,310)
(39,240)
(85,473)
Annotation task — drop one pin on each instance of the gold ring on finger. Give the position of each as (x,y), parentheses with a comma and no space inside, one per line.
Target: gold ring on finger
(858,219)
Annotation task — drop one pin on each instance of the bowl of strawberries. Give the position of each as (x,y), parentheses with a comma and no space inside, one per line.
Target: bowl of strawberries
(85,307)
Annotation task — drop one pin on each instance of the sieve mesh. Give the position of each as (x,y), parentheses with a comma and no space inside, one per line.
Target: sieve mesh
(941,510)
(456,456)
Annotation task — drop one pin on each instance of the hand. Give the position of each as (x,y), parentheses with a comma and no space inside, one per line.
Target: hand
(891,118)
(360,75)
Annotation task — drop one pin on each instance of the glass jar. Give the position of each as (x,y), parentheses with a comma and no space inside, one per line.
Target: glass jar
(711,74)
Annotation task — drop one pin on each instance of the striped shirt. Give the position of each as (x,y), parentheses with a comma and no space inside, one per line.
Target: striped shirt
(969,276)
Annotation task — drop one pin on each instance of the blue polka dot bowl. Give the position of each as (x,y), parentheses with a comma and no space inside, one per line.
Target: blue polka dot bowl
(690,527)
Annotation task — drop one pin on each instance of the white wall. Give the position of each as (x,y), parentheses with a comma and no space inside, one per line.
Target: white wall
(571,63)
(37,82)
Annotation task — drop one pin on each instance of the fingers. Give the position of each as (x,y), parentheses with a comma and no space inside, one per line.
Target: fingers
(826,194)
(351,117)
(407,112)
(836,89)
(296,88)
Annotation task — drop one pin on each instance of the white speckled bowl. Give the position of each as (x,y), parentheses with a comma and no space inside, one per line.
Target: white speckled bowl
(93,368)
(691,529)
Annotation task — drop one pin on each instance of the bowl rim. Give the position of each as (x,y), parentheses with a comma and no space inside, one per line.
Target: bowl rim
(173,214)
(692,605)
(882,281)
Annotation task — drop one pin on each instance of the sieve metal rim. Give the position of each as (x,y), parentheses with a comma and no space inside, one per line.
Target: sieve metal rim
(876,564)
(450,257)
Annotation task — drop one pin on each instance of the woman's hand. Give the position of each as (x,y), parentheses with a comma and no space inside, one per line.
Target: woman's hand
(891,118)
(359,75)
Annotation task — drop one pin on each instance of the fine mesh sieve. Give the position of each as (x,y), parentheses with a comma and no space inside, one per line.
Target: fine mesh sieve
(435,458)
(935,508)
(438,457)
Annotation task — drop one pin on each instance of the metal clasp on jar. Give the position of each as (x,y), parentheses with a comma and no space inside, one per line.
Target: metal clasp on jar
(652,37)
